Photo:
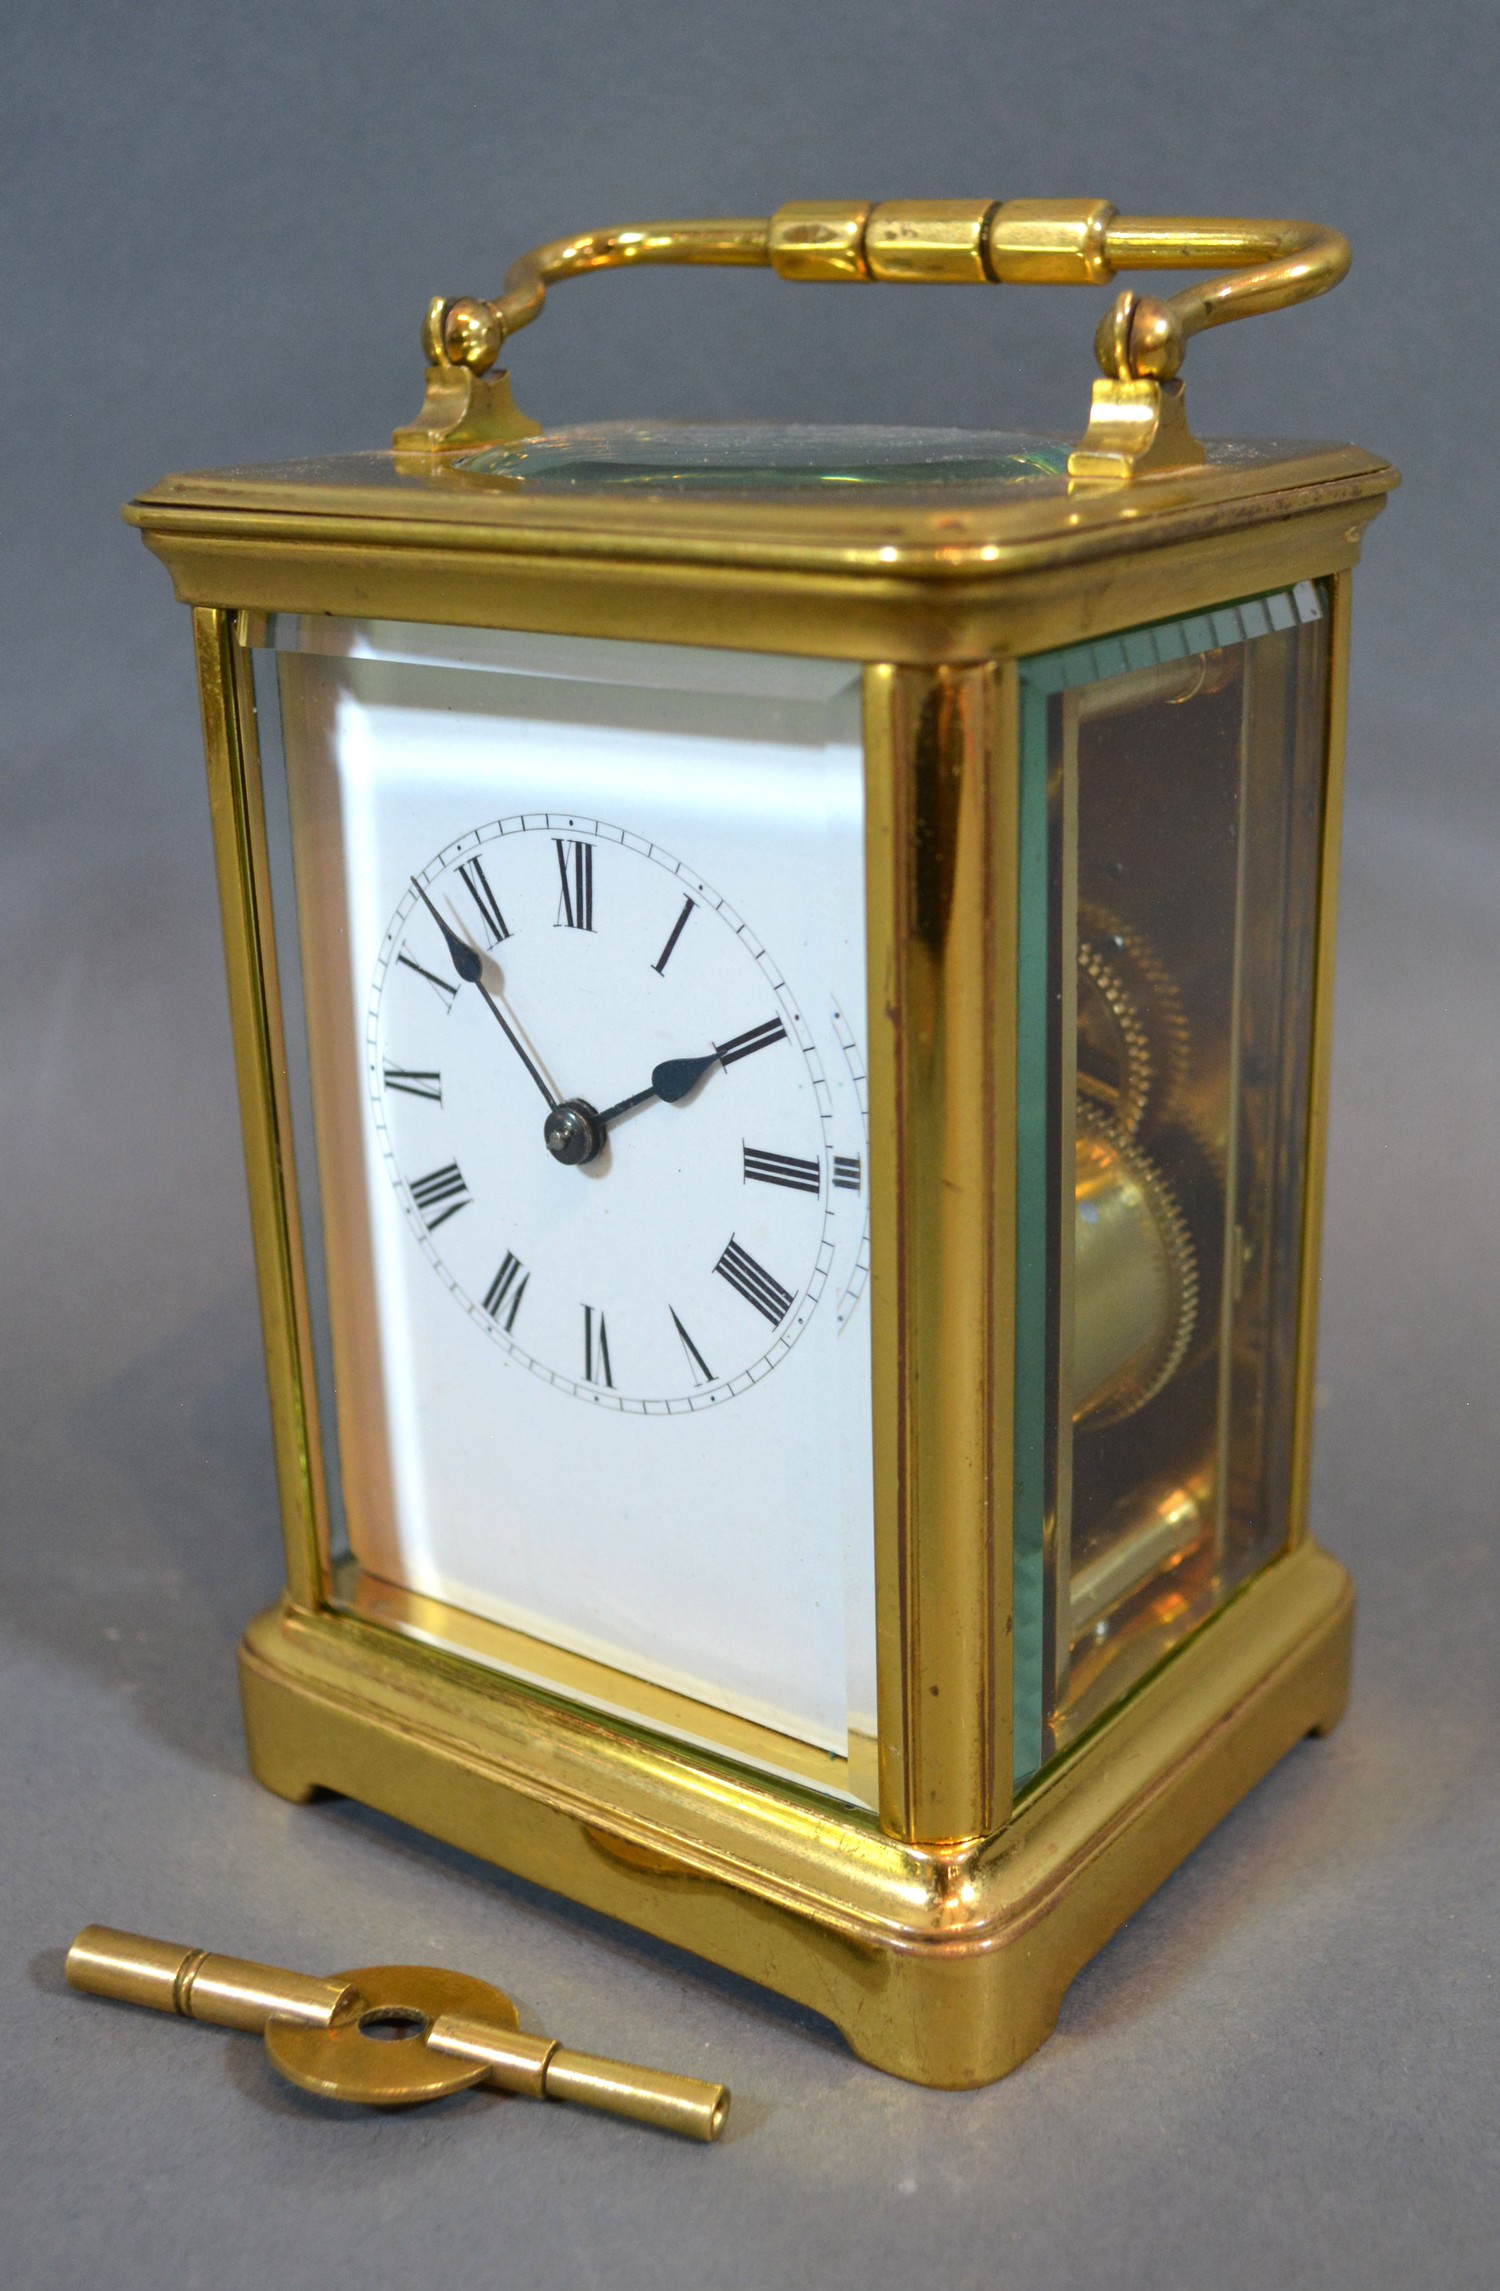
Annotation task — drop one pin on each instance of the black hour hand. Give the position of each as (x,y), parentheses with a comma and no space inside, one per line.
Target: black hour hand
(670,1081)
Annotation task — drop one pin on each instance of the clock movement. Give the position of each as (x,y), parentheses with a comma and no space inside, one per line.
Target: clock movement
(781,979)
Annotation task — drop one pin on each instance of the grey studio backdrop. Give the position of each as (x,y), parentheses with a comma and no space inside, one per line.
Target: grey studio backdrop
(222,227)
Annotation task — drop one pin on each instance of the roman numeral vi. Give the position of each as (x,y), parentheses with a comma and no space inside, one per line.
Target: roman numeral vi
(595,1349)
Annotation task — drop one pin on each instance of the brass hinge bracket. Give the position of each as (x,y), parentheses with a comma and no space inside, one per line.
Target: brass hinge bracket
(462,406)
(1136,429)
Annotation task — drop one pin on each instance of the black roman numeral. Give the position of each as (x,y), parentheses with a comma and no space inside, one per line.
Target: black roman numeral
(477,884)
(575,868)
(702,1373)
(753,1039)
(678,928)
(416,1084)
(447,991)
(781,1169)
(444,1190)
(595,1349)
(509,1285)
(754,1283)
(846,1172)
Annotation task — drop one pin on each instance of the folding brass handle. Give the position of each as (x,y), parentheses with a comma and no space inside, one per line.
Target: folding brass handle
(911,242)
(1010,242)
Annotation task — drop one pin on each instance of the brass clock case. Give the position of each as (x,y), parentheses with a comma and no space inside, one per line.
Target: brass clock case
(908,1890)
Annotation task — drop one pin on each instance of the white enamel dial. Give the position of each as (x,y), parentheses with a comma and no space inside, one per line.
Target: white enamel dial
(552,959)
(580,933)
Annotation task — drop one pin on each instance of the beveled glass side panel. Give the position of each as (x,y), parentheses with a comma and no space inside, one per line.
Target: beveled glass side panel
(604,1422)
(1181,770)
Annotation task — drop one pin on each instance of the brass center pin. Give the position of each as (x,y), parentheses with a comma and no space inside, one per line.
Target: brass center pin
(389,2036)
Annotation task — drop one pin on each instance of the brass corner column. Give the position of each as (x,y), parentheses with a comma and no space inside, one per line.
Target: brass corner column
(941,821)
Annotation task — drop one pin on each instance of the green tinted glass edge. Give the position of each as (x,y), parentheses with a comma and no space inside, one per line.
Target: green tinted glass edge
(1029,1512)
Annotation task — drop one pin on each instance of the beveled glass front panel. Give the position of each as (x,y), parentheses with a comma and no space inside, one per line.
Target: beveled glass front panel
(1171,825)
(611,1409)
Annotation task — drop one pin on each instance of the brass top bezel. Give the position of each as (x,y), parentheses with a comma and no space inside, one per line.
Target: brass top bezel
(940,533)
(959,572)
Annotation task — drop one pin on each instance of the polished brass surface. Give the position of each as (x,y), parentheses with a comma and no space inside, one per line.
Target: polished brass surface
(377,2053)
(1080,242)
(558,1670)
(942,1941)
(462,408)
(511,2060)
(542,2069)
(819,239)
(386,2036)
(940,867)
(943,1967)
(1050,242)
(958,581)
(1137,428)
(232,1992)
(1149,1532)
(1272,265)
(927,241)
(1135,1284)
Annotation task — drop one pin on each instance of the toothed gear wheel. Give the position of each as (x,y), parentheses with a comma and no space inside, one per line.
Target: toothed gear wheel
(1109,1022)
(1130,1016)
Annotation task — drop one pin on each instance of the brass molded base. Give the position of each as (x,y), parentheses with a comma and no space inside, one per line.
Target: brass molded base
(947,1967)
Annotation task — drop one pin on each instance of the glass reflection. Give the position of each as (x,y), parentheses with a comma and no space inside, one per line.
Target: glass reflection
(1182,799)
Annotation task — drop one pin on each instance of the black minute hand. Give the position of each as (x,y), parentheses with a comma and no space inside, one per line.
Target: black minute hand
(671,1082)
(470,968)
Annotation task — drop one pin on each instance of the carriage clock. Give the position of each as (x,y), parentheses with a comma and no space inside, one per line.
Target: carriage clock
(781,981)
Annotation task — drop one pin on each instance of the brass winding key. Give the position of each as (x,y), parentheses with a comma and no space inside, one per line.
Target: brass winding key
(389,2036)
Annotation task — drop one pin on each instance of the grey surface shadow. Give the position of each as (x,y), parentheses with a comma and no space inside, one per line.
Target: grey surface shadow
(1222,1885)
(46,1972)
(151,1532)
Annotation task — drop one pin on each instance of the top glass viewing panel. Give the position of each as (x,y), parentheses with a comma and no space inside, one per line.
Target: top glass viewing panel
(754,457)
